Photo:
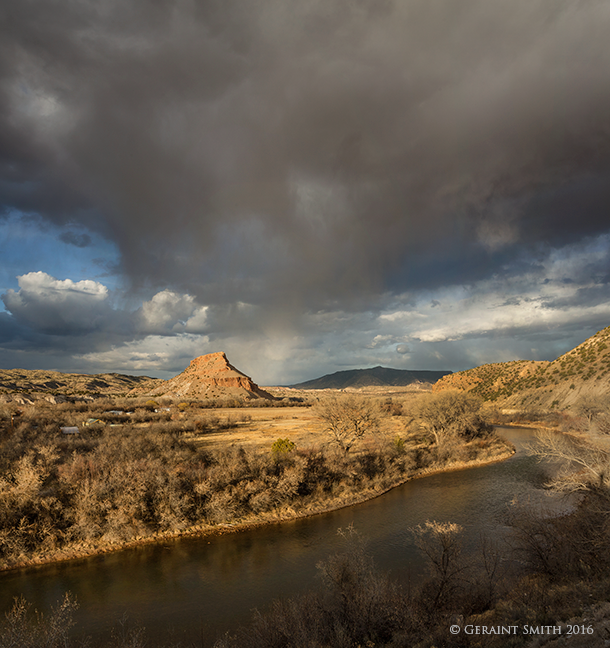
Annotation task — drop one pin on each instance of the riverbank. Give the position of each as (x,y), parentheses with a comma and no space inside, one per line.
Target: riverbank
(486,453)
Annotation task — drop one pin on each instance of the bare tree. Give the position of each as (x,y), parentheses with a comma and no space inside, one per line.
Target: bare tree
(449,414)
(585,458)
(594,412)
(579,543)
(441,543)
(347,419)
(590,406)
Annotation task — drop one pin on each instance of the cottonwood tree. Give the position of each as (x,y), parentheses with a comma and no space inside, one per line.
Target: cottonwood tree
(450,414)
(595,412)
(577,544)
(442,545)
(585,458)
(347,419)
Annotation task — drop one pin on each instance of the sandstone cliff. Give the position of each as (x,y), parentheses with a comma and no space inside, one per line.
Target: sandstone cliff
(210,376)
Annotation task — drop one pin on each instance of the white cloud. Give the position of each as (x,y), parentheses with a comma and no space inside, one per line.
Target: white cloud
(198,322)
(494,308)
(168,312)
(45,285)
(48,305)
(154,354)
(58,306)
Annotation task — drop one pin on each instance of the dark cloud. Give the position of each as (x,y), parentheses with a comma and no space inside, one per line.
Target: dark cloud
(271,158)
(584,297)
(79,240)
(324,150)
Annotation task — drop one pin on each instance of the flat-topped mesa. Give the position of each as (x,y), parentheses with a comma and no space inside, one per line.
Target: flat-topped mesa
(211,376)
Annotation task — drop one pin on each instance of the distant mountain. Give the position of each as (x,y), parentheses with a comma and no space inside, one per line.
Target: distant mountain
(583,371)
(377,376)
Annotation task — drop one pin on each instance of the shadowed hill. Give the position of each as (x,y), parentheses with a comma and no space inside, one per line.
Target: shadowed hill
(583,371)
(376,376)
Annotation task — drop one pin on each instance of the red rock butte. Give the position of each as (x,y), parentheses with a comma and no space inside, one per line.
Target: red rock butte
(211,376)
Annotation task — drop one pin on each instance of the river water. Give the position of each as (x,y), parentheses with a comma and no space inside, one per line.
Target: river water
(192,590)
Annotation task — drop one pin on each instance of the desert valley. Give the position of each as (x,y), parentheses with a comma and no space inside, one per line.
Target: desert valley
(304,319)
(93,464)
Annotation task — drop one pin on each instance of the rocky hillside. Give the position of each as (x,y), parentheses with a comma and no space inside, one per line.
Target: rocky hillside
(27,386)
(208,376)
(377,376)
(583,371)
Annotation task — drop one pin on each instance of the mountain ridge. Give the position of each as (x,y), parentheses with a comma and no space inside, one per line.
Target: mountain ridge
(207,376)
(29,385)
(581,371)
(373,376)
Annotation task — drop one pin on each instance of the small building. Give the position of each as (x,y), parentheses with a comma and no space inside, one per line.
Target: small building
(69,429)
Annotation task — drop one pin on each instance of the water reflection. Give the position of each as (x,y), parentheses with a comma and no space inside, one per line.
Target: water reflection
(190,588)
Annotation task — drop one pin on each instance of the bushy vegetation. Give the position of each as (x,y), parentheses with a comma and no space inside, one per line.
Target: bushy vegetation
(23,629)
(111,484)
(555,571)
(133,474)
(283,446)
(452,415)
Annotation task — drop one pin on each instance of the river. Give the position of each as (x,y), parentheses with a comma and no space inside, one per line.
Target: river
(193,589)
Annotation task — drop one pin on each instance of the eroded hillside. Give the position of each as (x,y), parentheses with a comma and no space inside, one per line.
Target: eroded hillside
(25,385)
(585,370)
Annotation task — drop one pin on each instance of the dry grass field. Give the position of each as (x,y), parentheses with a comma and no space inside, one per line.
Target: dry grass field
(260,427)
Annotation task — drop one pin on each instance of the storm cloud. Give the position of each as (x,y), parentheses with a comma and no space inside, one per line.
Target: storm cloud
(287,174)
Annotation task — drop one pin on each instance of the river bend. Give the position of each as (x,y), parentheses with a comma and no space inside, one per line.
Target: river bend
(193,589)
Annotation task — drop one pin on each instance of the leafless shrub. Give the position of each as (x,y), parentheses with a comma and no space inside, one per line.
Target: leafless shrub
(441,544)
(357,606)
(585,459)
(589,408)
(347,419)
(24,630)
(450,414)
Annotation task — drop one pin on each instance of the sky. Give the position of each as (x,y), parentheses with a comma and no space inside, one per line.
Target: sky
(308,186)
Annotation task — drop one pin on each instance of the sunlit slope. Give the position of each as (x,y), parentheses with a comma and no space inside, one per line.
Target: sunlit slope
(582,371)
(27,385)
